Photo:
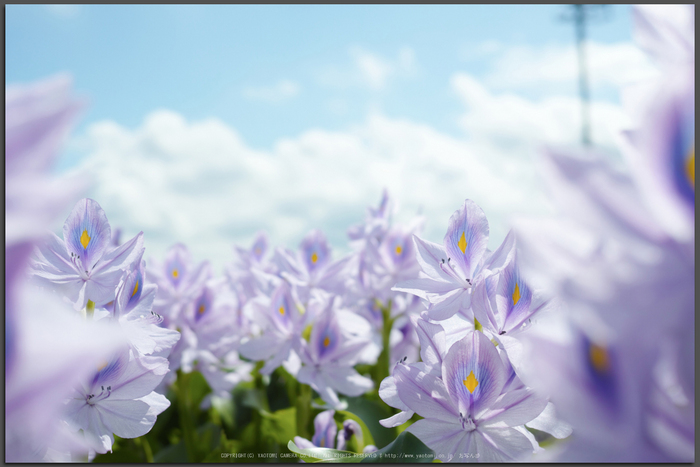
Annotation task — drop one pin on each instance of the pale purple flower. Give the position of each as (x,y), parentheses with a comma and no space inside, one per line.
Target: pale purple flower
(82,266)
(450,271)
(119,399)
(53,351)
(311,267)
(329,357)
(282,323)
(179,281)
(133,309)
(465,409)
(621,259)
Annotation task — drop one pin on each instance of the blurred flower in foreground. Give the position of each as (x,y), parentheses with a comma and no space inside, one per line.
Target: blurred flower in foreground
(622,261)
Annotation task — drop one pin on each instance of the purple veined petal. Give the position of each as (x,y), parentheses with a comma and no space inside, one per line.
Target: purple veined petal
(101,288)
(466,238)
(515,408)
(473,373)
(135,283)
(87,233)
(513,297)
(125,418)
(122,257)
(432,342)
(314,250)
(482,306)
(325,430)
(203,304)
(429,256)
(447,305)
(177,262)
(259,247)
(501,444)
(503,254)
(443,438)
(141,376)
(422,286)
(425,394)
(397,248)
(111,370)
(282,310)
(325,334)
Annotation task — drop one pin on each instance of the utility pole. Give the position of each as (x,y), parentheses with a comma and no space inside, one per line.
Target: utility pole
(579,14)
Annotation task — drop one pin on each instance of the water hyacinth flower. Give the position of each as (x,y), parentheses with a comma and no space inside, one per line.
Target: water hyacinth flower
(133,309)
(119,399)
(53,351)
(312,268)
(329,356)
(179,282)
(82,266)
(449,271)
(214,328)
(622,258)
(465,409)
(282,324)
(376,223)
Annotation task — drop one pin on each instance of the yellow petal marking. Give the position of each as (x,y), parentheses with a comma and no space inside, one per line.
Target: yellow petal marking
(690,167)
(326,341)
(136,289)
(398,249)
(282,310)
(102,366)
(175,273)
(516,294)
(85,239)
(599,358)
(201,309)
(462,243)
(471,383)
(314,258)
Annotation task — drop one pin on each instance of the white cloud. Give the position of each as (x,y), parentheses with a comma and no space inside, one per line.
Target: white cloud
(279,92)
(508,119)
(370,69)
(524,66)
(199,183)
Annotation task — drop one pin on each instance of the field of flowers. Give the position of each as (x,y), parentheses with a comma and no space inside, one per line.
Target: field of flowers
(571,341)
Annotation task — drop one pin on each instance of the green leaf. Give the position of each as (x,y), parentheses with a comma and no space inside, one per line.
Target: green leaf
(371,411)
(280,425)
(405,448)
(174,453)
(324,454)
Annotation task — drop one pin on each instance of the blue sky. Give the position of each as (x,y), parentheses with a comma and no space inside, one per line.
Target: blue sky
(195,60)
(217,109)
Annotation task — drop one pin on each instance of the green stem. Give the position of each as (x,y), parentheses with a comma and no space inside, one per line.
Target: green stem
(303,405)
(185,416)
(383,365)
(145,445)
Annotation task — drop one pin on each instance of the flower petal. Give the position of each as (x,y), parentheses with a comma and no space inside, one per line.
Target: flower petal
(87,232)
(466,238)
(473,373)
